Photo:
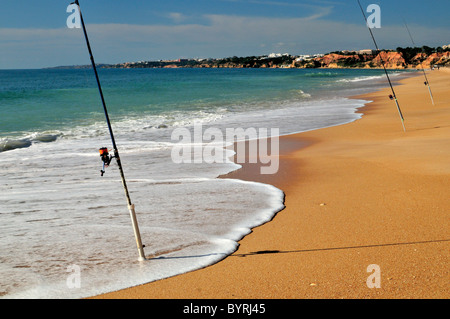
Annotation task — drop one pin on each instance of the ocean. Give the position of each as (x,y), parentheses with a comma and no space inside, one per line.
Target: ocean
(65,229)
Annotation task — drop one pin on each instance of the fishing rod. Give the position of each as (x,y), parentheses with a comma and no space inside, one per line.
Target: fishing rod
(394,96)
(424,74)
(116,151)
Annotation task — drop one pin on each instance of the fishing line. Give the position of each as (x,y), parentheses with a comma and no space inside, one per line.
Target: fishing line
(427,83)
(394,96)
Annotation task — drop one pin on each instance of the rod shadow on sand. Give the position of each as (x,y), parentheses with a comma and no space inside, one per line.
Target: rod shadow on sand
(265,252)
(270,252)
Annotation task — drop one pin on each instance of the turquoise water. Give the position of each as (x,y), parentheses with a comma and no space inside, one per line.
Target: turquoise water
(56,100)
(57,213)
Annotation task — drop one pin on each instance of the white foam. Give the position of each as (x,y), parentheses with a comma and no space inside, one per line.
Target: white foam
(361,78)
(57,211)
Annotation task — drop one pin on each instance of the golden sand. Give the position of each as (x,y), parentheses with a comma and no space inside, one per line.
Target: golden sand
(360,194)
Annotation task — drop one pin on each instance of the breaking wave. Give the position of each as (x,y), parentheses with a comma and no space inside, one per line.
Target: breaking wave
(8,144)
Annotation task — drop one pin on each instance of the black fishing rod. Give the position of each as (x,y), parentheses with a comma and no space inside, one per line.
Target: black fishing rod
(116,151)
(424,74)
(394,96)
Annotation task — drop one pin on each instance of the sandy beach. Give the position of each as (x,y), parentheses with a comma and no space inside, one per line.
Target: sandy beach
(360,194)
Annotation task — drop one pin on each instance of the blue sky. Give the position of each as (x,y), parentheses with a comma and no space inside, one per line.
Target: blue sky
(33,34)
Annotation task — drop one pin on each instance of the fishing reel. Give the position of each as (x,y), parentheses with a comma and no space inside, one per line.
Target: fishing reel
(106,159)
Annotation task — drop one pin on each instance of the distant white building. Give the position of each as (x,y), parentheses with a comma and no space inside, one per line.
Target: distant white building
(277,55)
(303,58)
(367,51)
(446,46)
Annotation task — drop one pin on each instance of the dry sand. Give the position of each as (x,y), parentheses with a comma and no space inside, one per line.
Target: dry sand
(358,194)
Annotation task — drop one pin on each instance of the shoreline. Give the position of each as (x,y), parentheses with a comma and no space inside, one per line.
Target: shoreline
(320,245)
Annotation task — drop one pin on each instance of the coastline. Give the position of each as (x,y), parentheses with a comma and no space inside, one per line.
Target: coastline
(357,194)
